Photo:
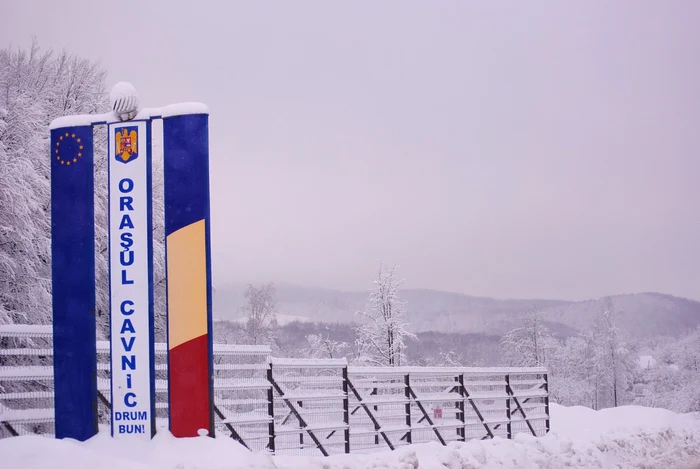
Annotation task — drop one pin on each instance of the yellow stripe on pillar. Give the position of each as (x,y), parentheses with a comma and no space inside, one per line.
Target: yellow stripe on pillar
(187,284)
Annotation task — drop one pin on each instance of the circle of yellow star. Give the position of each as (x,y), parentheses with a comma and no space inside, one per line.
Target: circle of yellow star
(67,159)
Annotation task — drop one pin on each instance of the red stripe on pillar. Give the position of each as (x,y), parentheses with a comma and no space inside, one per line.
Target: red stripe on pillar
(189,383)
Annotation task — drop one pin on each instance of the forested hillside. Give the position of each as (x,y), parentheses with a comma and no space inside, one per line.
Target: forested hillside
(643,315)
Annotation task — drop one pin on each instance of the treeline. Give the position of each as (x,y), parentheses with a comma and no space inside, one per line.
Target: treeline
(430,348)
(597,368)
(601,366)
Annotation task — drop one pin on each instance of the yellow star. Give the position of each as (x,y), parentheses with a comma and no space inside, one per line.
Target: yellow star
(73,135)
(75,160)
(57,151)
(66,134)
(68,163)
(80,154)
(61,137)
(58,143)
(78,140)
(62,161)
(58,158)
(81,147)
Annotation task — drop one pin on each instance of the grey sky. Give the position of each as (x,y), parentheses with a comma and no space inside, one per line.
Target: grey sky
(534,149)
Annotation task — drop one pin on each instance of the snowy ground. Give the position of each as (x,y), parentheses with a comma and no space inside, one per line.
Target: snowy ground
(627,437)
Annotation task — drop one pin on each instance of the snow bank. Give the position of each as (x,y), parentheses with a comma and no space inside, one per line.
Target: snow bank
(627,437)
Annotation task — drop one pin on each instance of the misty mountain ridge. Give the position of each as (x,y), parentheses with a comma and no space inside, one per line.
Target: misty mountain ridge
(644,315)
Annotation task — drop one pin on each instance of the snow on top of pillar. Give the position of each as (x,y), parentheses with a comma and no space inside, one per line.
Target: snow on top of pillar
(110,117)
(124,101)
(82,119)
(182,109)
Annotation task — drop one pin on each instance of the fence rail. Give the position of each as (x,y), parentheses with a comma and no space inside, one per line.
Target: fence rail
(300,406)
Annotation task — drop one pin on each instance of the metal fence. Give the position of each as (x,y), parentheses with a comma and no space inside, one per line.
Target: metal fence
(300,406)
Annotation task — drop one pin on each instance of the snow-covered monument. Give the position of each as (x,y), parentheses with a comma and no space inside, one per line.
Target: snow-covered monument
(61,381)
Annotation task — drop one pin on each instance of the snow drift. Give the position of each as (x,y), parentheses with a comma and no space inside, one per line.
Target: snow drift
(625,437)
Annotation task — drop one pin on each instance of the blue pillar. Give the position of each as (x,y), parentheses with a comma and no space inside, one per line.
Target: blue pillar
(73,282)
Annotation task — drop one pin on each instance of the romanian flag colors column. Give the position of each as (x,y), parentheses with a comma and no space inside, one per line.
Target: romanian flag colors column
(188,259)
(73,282)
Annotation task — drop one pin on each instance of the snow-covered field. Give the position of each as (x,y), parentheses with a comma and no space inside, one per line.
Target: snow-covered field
(626,437)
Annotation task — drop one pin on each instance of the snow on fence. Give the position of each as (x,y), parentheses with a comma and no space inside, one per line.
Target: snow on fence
(300,406)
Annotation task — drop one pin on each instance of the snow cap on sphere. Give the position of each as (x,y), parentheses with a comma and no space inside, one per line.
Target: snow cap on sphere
(124,100)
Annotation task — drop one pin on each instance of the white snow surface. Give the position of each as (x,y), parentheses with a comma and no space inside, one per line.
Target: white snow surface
(178,109)
(626,437)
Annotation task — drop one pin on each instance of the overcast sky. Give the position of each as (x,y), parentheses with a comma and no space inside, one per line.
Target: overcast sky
(534,149)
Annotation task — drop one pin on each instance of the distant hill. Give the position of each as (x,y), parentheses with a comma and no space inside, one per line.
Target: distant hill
(644,314)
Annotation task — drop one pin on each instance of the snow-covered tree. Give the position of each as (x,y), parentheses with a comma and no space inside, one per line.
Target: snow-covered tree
(383,330)
(24,247)
(529,345)
(611,361)
(322,346)
(569,383)
(597,369)
(686,352)
(35,88)
(450,358)
(674,382)
(261,314)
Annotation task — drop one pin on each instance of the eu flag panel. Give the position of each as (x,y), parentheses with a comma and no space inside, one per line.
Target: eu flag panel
(73,282)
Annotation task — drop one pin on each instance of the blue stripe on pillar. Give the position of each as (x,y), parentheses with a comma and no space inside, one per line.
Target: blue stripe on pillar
(73,282)
(186,170)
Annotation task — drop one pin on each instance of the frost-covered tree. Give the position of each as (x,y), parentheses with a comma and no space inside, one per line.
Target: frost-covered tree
(686,352)
(674,382)
(596,369)
(529,345)
(383,330)
(450,358)
(362,351)
(260,309)
(322,346)
(611,361)
(569,383)
(24,247)
(35,88)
